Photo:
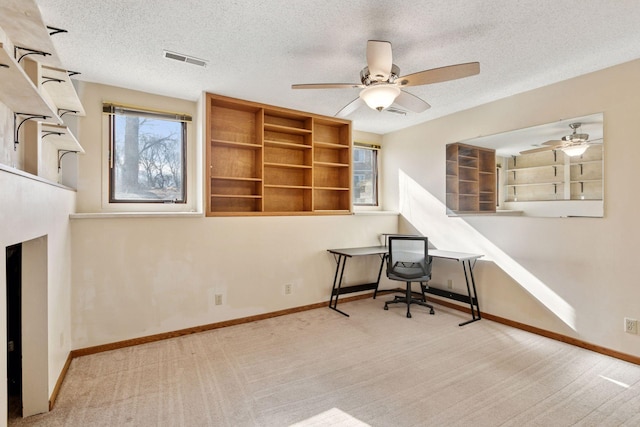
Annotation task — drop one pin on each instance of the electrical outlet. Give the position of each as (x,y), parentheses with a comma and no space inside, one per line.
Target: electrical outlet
(218,298)
(630,325)
(288,289)
(450,284)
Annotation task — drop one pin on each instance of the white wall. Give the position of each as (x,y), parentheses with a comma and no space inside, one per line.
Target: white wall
(30,209)
(574,276)
(141,276)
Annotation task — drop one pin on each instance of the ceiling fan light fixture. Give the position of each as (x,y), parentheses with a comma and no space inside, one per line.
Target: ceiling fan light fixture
(575,150)
(379,97)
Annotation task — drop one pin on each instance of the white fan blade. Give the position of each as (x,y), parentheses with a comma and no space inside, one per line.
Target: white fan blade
(411,102)
(379,60)
(553,142)
(537,150)
(442,74)
(350,107)
(327,86)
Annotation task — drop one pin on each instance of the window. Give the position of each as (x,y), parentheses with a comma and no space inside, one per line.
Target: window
(147,156)
(365,175)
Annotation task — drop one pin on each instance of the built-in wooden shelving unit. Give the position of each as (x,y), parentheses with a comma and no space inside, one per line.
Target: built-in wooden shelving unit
(266,160)
(470,179)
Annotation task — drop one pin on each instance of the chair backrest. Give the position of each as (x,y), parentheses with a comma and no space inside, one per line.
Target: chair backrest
(409,259)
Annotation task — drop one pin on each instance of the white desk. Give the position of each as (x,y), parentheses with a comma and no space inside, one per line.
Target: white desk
(468,262)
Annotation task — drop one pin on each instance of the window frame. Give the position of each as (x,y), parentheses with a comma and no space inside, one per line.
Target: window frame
(376,174)
(114,110)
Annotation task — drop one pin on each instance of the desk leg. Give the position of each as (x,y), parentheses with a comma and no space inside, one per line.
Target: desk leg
(473,296)
(383,257)
(336,291)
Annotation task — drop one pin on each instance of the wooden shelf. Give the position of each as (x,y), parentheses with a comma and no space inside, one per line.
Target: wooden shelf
(286,172)
(232,178)
(286,166)
(470,179)
(234,144)
(331,188)
(302,187)
(329,145)
(331,165)
(237,196)
(286,129)
(282,144)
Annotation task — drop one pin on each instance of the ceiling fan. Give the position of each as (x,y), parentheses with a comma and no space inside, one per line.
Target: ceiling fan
(572,145)
(382,84)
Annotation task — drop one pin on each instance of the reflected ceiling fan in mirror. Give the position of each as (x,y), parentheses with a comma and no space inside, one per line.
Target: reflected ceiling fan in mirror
(572,145)
(382,84)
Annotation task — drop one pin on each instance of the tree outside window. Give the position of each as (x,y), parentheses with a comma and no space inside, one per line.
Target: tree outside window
(147,158)
(365,176)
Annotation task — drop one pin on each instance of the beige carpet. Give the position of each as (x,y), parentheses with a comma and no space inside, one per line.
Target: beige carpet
(376,368)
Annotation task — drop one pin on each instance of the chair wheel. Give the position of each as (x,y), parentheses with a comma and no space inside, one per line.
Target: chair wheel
(409,315)
(386,308)
(432,312)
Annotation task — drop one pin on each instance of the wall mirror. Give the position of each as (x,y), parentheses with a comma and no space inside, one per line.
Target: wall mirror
(550,170)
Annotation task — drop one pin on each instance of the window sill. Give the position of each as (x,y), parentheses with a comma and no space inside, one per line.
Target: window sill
(105,215)
(376,213)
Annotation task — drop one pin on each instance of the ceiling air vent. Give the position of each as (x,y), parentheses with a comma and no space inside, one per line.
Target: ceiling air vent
(184,58)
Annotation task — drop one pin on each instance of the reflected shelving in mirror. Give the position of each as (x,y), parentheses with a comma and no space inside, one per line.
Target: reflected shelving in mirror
(540,178)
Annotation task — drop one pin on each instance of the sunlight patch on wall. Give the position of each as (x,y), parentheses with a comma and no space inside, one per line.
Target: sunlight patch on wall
(428,215)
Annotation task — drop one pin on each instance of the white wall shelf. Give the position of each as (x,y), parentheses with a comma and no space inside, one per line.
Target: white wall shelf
(552,175)
(61,137)
(22,23)
(56,83)
(19,93)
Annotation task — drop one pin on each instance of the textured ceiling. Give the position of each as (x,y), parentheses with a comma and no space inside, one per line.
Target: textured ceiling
(257,48)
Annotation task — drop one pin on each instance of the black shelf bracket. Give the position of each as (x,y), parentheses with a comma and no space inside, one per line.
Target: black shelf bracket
(28,52)
(63,111)
(555,156)
(45,134)
(46,79)
(53,30)
(73,73)
(16,126)
(60,156)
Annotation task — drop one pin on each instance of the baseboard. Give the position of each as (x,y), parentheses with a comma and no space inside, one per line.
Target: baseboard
(166,335)
(181,332)
(543,332)
(61,377)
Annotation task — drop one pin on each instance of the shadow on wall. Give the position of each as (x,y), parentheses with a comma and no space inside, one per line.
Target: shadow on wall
(428,215)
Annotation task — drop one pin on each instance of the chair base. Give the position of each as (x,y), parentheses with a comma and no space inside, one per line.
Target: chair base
(408,299)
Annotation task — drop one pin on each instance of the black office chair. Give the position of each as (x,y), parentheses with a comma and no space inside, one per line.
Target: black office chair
(409,262)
